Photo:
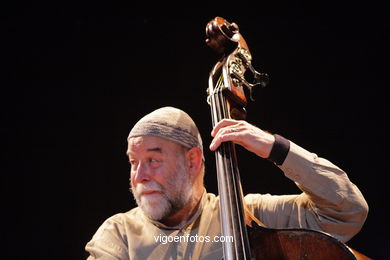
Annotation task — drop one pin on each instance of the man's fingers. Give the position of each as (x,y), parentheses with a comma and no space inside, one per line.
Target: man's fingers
(221,124)
(224,135)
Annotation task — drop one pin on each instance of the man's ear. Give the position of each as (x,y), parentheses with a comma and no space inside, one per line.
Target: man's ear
(194,160)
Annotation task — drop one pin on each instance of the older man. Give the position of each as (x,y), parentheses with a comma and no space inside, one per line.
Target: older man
(177,219)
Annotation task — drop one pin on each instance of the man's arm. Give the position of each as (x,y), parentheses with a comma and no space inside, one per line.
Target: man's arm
(330,202)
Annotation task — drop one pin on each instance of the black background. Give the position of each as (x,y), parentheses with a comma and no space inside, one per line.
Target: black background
(78,76)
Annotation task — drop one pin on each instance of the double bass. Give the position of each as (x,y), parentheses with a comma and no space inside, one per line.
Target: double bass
(227,91)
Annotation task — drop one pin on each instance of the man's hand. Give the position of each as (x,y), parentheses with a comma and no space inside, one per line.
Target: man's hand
(241,132)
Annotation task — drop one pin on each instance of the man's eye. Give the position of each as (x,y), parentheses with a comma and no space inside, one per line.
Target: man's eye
(132,162)
(154,162)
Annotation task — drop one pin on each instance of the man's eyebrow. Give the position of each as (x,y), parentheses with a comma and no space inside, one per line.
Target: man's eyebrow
(154,149)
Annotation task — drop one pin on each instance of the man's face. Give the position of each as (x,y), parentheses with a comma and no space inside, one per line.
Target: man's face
(160,181)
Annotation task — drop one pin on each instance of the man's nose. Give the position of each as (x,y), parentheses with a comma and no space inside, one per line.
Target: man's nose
(141,173)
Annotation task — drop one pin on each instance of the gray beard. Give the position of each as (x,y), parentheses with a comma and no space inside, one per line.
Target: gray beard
(172,198)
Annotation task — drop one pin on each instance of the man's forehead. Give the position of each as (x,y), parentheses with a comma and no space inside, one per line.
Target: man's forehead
(149,144)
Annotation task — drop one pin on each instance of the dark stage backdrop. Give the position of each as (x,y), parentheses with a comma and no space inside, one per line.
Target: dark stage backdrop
(78,76)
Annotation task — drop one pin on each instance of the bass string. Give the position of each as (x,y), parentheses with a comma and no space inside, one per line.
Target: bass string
(228,181)
(234,190)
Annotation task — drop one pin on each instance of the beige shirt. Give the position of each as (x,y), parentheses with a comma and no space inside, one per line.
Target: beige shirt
(329,203)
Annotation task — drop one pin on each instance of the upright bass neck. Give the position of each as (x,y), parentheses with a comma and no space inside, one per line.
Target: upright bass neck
(227,99)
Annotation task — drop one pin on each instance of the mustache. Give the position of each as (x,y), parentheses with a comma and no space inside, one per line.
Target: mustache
(148,186)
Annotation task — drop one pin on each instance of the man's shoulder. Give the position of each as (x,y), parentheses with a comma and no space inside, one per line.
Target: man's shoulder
(112,234)
(122,216)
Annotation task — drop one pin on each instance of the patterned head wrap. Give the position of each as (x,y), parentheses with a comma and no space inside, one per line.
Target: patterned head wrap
(169,123)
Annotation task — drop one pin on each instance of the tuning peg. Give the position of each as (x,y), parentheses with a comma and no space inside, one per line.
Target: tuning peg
(261,79)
